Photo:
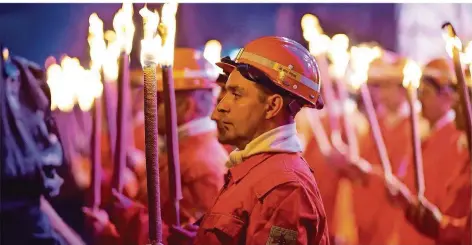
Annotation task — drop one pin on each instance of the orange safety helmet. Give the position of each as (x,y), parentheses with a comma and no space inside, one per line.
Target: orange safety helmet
(190,71)
(387,69)
(286,63)
(439,72)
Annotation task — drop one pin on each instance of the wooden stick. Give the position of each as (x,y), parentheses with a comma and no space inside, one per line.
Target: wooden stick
(152,154)
(96,154)
(375,129)
(463,89)
(59,225)
(415,134)
(122,124)
(351,136)
(172,141)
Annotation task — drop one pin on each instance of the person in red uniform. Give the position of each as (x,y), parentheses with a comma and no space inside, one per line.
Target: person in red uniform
(370,201)
(202,157)
(437,95)
(270,195)
(448,220)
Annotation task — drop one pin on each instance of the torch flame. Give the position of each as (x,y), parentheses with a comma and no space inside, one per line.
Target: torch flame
(361,57)
(124,27)
(70,83)
(169,27)
(212,53)
(5,54)
(90,88)
(468,54)
(96,42)
(411,74)
(311,27)
(313,34)
(339,55)
(112,52)
(151,44)
(452,42)
(54,77)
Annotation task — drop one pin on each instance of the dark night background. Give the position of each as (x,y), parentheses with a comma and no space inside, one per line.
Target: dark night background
(36,31)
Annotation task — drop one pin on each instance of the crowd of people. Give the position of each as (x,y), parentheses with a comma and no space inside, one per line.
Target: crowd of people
(252,167)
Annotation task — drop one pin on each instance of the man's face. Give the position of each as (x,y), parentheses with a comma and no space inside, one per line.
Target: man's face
(389,95)
(240,111)
(431,100)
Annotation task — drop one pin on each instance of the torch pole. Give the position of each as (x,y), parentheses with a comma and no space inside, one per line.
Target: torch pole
(96,153)
(122,123)
(172,141)
(152,162)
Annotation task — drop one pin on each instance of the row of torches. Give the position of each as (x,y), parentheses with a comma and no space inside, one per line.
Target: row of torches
(72,84)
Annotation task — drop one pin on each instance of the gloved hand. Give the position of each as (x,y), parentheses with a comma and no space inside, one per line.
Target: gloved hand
(425,217)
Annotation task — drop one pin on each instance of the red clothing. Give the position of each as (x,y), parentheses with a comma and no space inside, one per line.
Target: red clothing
(457,205)
(267,199)
(201,178)
(229,148)
(326,176)
(442,155)
(370,201)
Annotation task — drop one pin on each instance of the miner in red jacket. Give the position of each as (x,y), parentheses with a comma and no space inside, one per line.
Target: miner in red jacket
(202,157)
(270,195)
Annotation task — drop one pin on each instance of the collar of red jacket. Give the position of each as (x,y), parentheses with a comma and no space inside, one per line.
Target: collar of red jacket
(239,171)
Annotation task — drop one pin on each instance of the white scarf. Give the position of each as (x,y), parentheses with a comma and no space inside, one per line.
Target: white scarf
(281,139)
(191,128)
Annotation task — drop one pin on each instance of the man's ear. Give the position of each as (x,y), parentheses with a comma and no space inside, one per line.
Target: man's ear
(274,106)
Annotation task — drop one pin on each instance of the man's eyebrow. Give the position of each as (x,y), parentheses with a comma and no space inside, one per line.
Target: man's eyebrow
(235,88)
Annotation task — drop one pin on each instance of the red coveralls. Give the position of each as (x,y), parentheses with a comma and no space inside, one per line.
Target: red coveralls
(267,199)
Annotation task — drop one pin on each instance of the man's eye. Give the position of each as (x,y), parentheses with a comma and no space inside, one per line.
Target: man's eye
(237,95)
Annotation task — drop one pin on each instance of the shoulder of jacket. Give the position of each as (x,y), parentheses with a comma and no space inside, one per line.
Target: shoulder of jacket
(279,174)
(272,181)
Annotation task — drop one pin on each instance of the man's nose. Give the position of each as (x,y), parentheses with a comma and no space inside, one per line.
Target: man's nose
(221,107)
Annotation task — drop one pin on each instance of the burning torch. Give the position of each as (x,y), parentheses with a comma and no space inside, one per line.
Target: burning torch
(151,49)
(124,29)
(167,29)
(411,81)
(454,44)
(361,57)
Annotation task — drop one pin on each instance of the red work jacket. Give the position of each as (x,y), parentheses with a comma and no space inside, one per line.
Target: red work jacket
(267,199)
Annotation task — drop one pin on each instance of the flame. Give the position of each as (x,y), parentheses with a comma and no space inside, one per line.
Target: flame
(311,27)
(467,55)
(452,42)
(361,57)
(151,44)
(96,42)
(112,53)
(54,77)
(212,53)
(169,26)
(319,45)
(313,33)
(89,89)
(411,74)
(124,27)
(70,83)
(339,55)
(5,54)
